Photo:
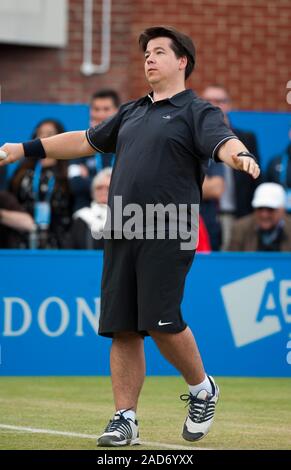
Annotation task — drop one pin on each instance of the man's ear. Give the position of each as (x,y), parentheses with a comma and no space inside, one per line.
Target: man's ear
(183,62)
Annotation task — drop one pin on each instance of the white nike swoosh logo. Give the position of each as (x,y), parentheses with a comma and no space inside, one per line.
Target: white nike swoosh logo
(164,323)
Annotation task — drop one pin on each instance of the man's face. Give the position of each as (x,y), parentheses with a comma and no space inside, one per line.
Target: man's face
(267,218)
(218,97)
(161,63)
(101,109)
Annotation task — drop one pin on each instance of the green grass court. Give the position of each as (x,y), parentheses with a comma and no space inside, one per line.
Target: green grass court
(251,413)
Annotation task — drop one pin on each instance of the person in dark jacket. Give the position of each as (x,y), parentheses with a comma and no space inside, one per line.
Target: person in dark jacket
(279,171)
(104,103)
(42,188)
(212,189)
(236,200)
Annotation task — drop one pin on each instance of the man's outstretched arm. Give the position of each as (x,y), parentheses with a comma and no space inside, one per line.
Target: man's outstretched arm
(62,146)
(228,153)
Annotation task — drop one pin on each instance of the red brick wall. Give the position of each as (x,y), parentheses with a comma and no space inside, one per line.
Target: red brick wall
(243,44)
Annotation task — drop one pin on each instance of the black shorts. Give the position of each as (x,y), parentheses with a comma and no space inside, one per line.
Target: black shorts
(143,285)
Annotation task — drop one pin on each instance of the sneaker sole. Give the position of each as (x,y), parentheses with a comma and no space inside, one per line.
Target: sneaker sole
(192,437)
(106,441)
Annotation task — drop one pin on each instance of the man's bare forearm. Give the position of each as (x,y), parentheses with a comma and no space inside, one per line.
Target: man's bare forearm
(68,145)
(60,147)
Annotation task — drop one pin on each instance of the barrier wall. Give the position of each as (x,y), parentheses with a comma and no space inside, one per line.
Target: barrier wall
(238,306)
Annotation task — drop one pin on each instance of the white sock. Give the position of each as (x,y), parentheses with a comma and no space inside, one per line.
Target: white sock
(205,385)
(128,414)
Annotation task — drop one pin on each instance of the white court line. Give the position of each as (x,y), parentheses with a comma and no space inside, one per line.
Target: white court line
(92,436)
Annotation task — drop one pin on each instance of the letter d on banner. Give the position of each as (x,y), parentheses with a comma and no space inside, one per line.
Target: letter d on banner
(26,320)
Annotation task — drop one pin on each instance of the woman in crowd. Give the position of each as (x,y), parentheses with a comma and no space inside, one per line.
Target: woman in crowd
(41,187)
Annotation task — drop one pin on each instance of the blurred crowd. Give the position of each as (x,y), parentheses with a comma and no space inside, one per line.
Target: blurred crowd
(53,204)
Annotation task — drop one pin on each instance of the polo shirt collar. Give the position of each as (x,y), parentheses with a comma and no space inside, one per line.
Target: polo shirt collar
(177,100)
(182,98)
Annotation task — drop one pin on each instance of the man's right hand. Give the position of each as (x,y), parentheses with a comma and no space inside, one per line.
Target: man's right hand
(14,152)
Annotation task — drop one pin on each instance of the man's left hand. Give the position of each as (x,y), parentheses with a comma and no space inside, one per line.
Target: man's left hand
(246,164)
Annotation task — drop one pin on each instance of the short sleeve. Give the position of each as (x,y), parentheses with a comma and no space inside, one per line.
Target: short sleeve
(103,137)
(209,130)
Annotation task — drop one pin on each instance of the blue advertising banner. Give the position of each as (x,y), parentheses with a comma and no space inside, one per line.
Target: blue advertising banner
(238,306)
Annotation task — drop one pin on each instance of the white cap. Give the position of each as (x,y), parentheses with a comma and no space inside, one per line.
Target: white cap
(270,195)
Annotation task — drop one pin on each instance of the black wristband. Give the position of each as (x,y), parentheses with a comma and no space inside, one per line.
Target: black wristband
(34,149)
(247,154)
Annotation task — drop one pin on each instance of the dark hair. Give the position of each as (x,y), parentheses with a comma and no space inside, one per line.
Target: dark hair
(57,124)
(182,45)
(107,93)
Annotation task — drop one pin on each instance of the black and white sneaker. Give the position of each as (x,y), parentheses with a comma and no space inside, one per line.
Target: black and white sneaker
(201,412)
(119,432)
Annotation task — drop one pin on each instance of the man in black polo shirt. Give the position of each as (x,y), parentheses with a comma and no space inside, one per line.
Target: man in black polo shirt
(162,142)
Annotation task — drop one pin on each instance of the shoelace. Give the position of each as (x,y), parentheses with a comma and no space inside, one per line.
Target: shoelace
(121,425)
(199,410)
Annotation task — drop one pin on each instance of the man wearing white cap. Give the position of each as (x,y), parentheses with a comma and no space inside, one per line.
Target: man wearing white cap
(268,228)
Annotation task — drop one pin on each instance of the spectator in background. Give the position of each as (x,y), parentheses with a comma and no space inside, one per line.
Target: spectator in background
(41,186)
(239,187)
(15,223)
(104,103)
(268,228)
(279,171)
(92,219)
(212,191)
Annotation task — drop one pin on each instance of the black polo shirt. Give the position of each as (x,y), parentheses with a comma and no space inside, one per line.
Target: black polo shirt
(161,148)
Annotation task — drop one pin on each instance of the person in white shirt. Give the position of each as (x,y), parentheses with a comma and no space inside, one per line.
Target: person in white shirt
(90,221)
